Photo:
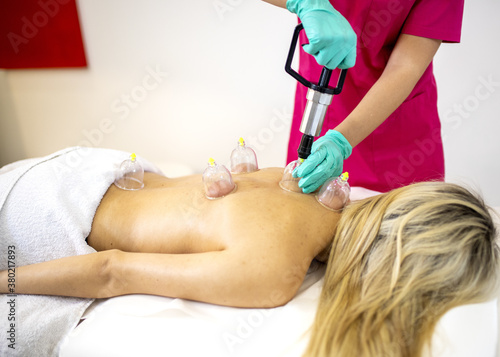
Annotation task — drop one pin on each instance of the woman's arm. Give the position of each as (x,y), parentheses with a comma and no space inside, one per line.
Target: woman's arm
(79,276)
(409,59)
(234,278)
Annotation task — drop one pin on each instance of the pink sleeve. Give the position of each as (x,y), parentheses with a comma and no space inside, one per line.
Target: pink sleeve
(441,19)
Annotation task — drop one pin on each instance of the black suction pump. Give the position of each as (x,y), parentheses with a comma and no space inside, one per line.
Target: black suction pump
(319,96)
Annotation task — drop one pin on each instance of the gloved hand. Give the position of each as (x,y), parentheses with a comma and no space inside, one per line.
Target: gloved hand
(332,41)
(326,160)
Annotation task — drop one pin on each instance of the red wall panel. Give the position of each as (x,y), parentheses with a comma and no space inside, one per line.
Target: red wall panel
(40,34)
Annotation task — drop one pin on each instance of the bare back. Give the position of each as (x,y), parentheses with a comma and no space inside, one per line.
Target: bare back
(174,216)
(251,248)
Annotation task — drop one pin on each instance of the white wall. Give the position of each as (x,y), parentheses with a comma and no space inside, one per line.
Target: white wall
(219,75)
(468,77)
(11,144)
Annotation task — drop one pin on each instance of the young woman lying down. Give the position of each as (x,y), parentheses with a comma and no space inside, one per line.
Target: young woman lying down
(396,262)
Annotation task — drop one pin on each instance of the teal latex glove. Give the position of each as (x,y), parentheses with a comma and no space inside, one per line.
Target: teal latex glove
(326,160)
(332,41)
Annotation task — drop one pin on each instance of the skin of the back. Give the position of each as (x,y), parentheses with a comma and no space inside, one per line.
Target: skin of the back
(174,216)
(251,248)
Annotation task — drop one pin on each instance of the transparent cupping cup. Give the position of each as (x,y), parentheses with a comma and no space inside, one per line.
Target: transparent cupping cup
(288,182)
(243,159)
(130,175)
(217,180)
(335,193)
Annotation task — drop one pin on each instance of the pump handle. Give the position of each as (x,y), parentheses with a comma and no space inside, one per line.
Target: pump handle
(322,85)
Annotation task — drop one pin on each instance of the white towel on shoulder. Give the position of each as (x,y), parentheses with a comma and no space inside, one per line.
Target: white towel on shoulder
(46,210)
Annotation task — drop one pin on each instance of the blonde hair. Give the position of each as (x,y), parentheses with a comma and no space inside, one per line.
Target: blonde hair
(398,262)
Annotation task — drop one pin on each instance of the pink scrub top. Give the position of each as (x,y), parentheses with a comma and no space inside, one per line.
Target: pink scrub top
(407,147)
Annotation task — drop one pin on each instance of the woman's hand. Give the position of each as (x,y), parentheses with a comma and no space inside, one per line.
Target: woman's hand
(326,161)
(332,41)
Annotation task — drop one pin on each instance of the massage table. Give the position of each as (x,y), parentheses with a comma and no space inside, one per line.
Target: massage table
(141,325)
(46,220)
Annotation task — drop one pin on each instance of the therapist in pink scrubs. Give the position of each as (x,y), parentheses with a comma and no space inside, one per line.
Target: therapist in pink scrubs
(384,127)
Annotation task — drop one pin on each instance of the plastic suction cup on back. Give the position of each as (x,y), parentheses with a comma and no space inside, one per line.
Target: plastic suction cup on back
(217,180)
(334,194)
(288,182)
(130,175)
(243,159)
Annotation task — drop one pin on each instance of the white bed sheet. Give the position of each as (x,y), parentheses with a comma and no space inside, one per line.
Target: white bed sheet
(143,325)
